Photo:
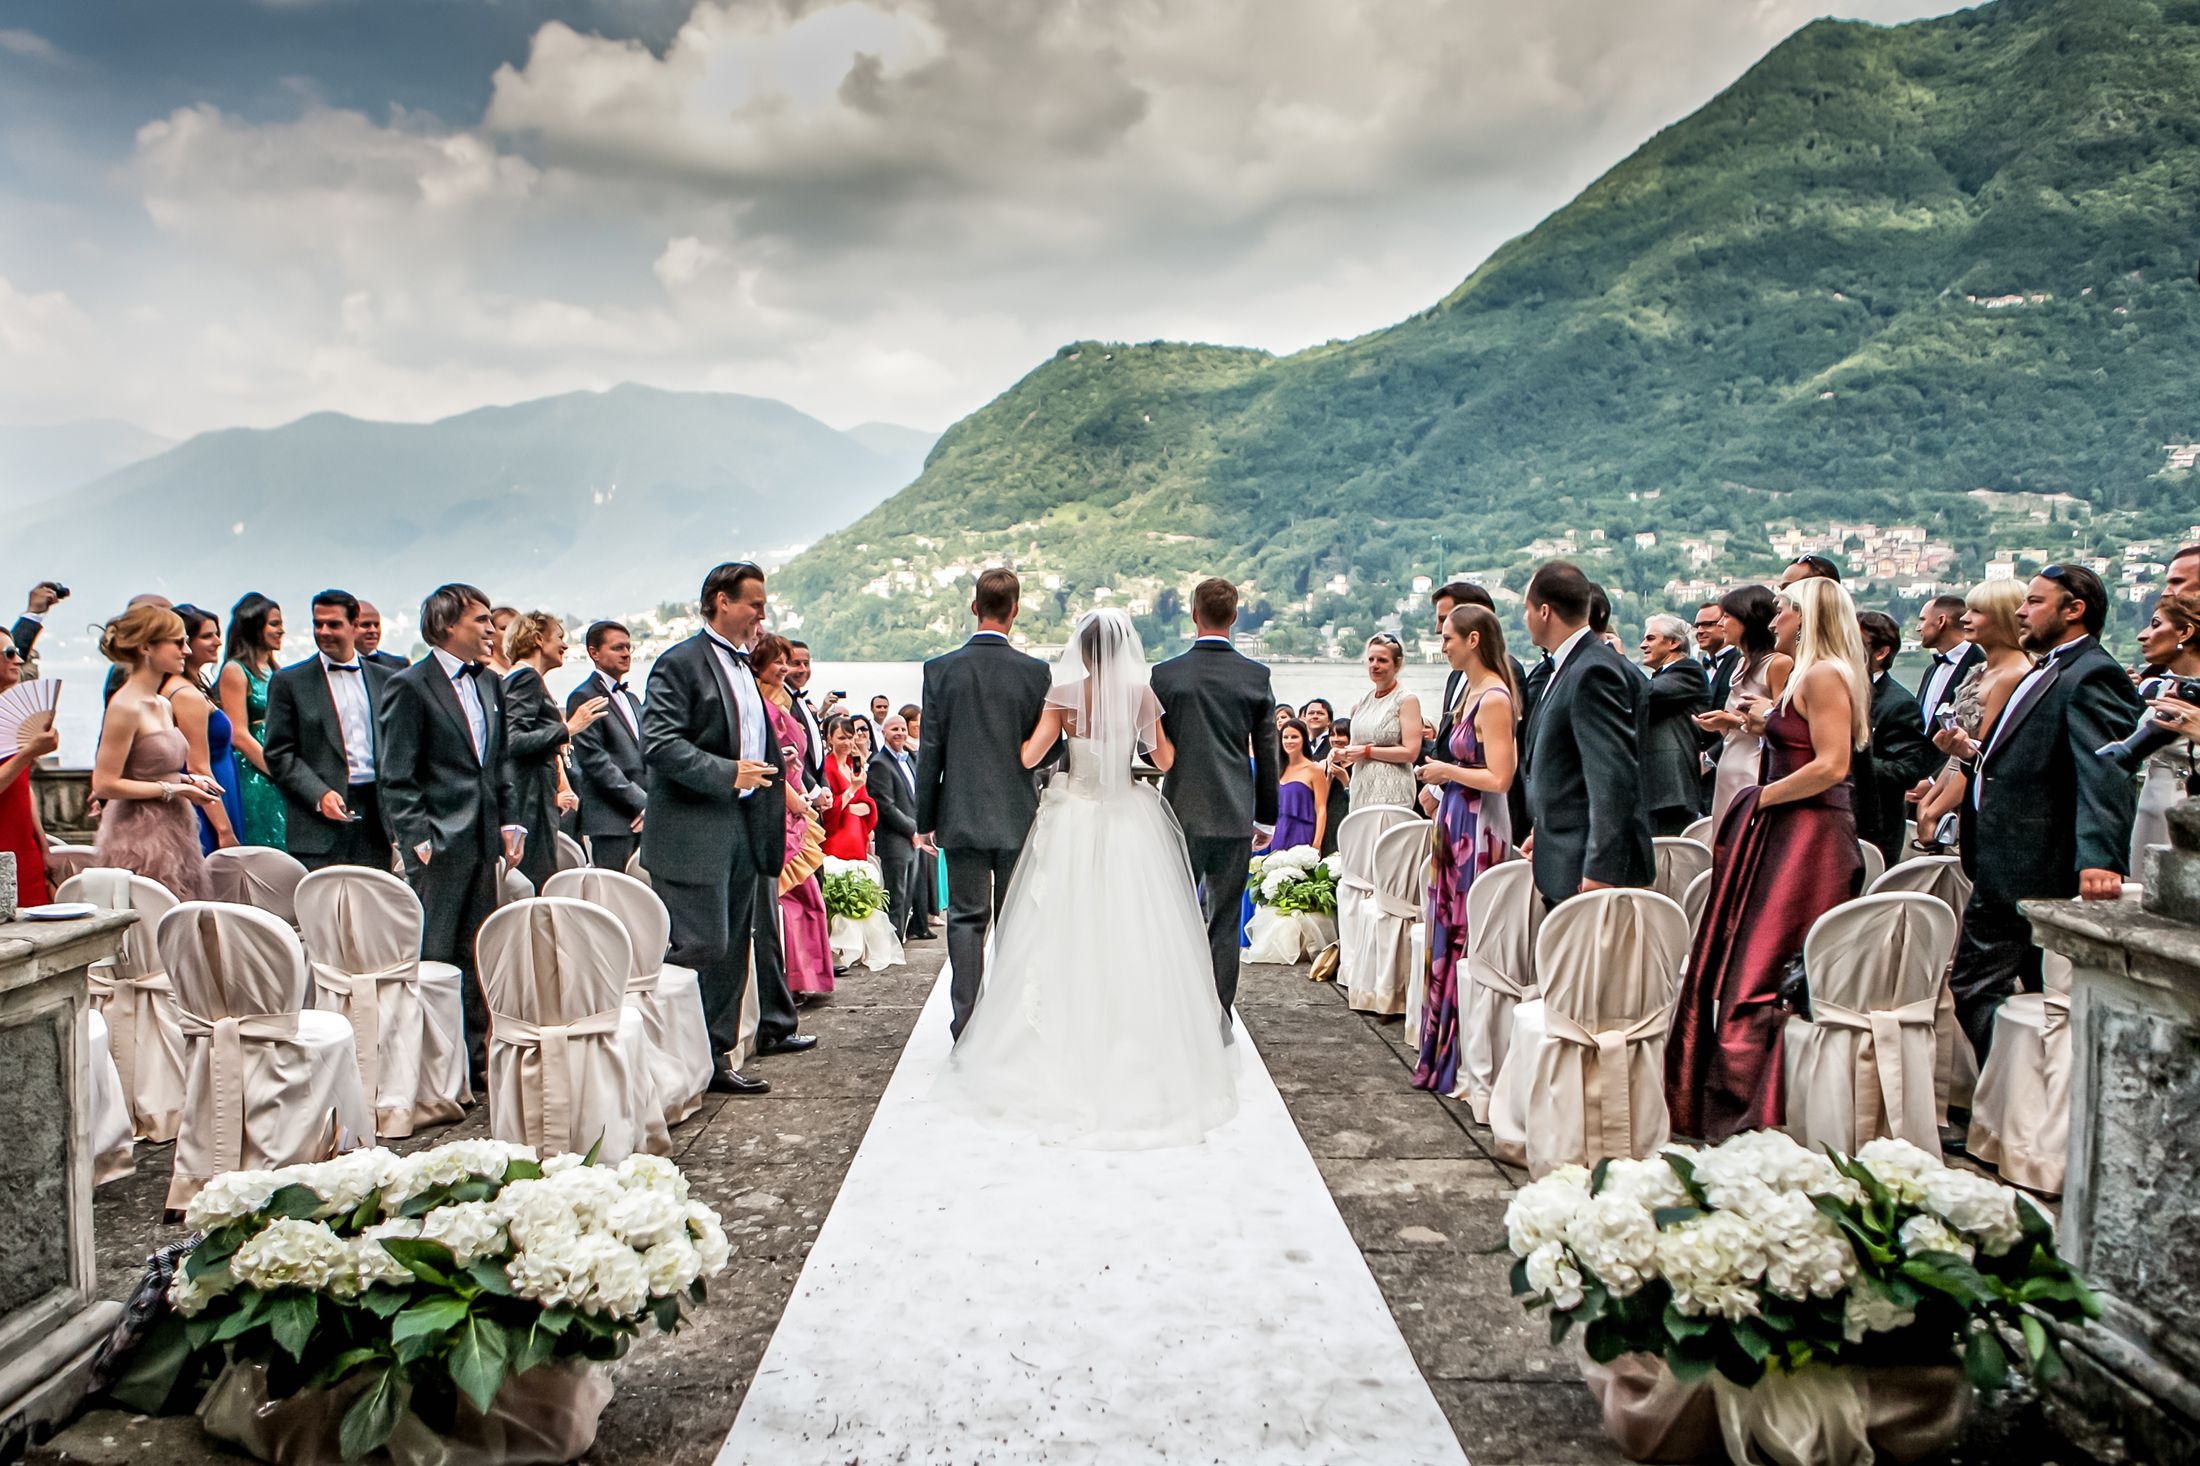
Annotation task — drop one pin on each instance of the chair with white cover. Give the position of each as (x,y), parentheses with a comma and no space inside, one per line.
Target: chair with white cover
(1861,1066)
(511,885)
(668,996)
(635,868)
(2020,1116)
(65,861)
(1693,902)
(1358,949)
(1955,1065)
(259,876)
(132,992)
(1609,962)
(572,855)
(1416,979)
(1704,832)
(1503,912)
(1381,977)
(1875,863)
(113,1146)
(568,1059)
(408,1015)
(1679,861)
(269,1082)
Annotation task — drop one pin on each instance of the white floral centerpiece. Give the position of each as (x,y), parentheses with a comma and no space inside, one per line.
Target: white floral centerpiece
(1294,895)
(1757,1262)
(857,925)
(410,1285)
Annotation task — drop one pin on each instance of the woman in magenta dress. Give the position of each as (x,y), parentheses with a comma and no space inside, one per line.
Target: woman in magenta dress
(803,923)
(1787,854)
(148,827)
(1473,825)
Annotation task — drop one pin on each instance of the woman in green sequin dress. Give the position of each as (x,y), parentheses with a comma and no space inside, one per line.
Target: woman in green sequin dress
(255,640)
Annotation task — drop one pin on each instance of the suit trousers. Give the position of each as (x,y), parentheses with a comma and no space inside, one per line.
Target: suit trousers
(775,1015)
(897,860)
(612,852)
(977,884)
(1995,960)
(713,927)
(1219,866)
(458,891)
(364,841)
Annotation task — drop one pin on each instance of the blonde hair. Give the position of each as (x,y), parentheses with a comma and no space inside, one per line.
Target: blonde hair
(528,631)
(125,640)
(1829,634)
(1997,601)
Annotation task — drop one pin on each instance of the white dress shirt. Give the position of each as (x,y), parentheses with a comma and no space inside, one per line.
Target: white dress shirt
(747,701)
(1565,650)
(619,703)
(2018,702)
(347,688)
(469,697)
(1937,685)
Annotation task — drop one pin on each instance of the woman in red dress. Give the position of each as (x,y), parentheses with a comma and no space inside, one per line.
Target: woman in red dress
(851,817)
(1787,854)
(20,832)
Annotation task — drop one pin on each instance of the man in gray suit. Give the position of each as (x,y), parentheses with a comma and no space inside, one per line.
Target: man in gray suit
(1218,708)
(975,798)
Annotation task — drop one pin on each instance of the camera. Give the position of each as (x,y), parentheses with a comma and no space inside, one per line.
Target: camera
(60,591)
(2150,737)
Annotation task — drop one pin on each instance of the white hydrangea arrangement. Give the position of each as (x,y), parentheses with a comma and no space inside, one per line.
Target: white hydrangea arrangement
(1295,881)
(437,1274)
(1760,1254)
(852,892)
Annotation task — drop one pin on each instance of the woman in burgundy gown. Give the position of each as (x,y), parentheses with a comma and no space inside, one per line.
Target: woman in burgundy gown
(148,826)
(1786,855)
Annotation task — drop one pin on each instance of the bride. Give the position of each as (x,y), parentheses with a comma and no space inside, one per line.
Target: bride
(1098,1024)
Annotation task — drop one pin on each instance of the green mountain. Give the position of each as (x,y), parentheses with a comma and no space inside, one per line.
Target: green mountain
(1888,266)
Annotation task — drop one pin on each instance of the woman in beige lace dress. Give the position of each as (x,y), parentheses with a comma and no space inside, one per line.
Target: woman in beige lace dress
(1386,732)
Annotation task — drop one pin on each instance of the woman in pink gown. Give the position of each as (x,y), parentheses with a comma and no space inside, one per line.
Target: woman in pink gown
(148,826)
(802,918)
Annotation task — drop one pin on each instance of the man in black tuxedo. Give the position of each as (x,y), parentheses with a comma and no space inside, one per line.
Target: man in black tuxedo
(446,787)
(928,859)
(975,798)
(320,744)
(2042,815)
(1718,658)
(892,780)
(1218,708)
(369,640)
(1940,631)
(609,775)
(1585,791)
(716,835)
(798,683)
(1899,756)
(1672,765)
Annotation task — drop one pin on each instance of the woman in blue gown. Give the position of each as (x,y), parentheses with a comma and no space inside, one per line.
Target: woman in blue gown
(207,729)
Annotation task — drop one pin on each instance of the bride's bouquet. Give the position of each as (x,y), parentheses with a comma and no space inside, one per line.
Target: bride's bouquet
(1294,894)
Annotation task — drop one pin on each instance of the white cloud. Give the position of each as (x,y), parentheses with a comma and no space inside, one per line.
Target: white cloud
(28,44)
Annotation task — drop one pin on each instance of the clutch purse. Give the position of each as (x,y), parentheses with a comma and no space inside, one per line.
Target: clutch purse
(1324,968)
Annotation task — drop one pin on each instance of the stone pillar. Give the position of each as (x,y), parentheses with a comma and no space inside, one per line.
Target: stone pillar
(51,1319)
(2131,1203)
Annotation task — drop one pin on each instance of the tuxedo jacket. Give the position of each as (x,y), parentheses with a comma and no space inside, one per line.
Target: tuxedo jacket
(1218,707)
(609,774)
(390,660)
(1966,656)
(699,830)
(305,746)
(1585,786)
(981,701)
(1672,762)
(2047,806)
(434,787)
(894,795)
(1889,767)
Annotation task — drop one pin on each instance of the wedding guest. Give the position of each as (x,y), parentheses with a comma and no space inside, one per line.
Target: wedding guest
(1386,732)
(322,744)
(1302,792)
(500,620)
(1940,631)
(804,925)
(1809,566)
(607,754)
(538,736)
(24,636)
(206,728)
(369,639)
(255,640)
(891,783)
(445,780)
(2184,572)
(1990,624)
(140,776)
(931,892)
(1585,761)
(1760,677)
(1787,854)
(1600,620)
(2044,817)
(1473,823)
(116,674)
(1899,758)
(1317,715)
(1672,766)
(798,689)
(1284,714)
(851,817)
(2170,642)
(1719,661)
(21,834)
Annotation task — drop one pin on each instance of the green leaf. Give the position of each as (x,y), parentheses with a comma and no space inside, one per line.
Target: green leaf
(431,1262)
(698,1293)
(2035,1336)
(363,1215)
(294,1202)
(490,1275)
(1984,1360)
(383,1301)
(149,1379)
(421,1203)
(290,1318)
(344,1364)
(1685,1326)
(426,1319)
(1950,1274)
(530,1347)
(555,1321)
(1672,1216)
(1560,1323)
(1518,1275)
(251,1306)
(1685,1169)
(590,1158)
(520,1169)
(1687,1367)
(216,1248)
(373,1416)
(1597,1175)
(473,1190)
(1751,1339)
(666,1313)
(2033,1222)
(478,1354)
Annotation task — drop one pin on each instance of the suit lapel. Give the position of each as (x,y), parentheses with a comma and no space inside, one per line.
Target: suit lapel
(725,693)
(2013,716)
(445,697)
(323,705)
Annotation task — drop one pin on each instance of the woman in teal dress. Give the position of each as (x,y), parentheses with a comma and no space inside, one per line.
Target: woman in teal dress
(255,640)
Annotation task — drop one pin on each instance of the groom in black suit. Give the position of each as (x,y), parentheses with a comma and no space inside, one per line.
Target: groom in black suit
(716,835)
(321,740)
(608,752)
(1585,748)
(975,798)
(1218,708)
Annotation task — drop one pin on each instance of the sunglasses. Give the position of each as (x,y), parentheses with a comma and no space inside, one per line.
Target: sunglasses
(1818,563)
(11,652)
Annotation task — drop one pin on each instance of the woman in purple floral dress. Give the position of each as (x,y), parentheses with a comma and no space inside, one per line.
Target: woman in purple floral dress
(1473,827)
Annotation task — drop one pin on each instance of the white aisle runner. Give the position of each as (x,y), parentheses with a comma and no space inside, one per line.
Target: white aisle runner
(977,1297)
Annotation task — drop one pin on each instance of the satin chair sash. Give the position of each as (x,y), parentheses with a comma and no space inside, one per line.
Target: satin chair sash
(225,1070)
(1401,908)
(1880,1082)
(643,984)
(125,1002)
(1608,1088)
(361,993)
(547,1109)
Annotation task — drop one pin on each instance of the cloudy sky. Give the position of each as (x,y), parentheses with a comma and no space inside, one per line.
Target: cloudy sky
(238,211)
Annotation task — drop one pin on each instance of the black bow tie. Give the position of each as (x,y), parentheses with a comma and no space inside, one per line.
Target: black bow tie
(1942,659)
(618,687)
(467,669)
(343,666)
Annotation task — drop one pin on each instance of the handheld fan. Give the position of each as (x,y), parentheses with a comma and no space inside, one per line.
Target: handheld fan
(26,710)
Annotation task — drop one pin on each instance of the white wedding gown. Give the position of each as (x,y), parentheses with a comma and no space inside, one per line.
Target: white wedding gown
(1098,1024)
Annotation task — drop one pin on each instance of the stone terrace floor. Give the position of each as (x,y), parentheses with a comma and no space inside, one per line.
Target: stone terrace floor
(1413,1175)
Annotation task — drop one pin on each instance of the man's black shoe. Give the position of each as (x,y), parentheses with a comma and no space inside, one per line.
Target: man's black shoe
(795,1043)
(728,1081)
